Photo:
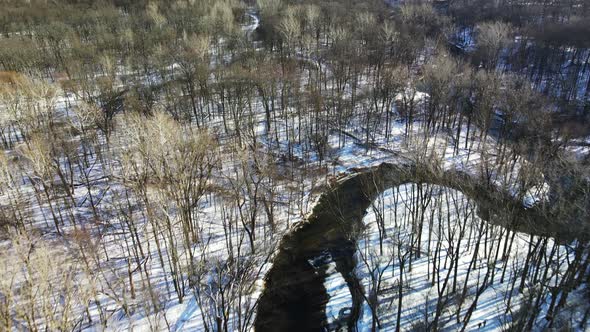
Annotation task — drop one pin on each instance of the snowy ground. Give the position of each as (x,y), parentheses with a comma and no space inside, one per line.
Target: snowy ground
(449,215)
(344,152)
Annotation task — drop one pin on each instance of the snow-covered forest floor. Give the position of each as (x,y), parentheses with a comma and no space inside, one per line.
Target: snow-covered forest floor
(161,222)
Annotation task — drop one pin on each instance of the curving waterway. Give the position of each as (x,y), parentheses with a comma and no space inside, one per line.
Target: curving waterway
(295,298)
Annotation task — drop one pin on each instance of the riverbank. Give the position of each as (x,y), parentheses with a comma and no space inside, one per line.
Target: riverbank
(295,297)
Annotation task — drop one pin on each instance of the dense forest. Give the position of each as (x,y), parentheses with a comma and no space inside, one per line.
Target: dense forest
(292,165)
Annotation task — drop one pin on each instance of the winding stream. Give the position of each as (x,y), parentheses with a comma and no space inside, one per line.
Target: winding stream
(295,298)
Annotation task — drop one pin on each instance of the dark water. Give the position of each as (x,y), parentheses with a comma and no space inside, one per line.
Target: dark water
(295,298)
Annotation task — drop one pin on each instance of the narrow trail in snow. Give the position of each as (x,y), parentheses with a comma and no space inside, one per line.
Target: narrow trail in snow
(188,312)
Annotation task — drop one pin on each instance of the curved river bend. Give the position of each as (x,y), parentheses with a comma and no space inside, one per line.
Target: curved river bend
(295,298)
